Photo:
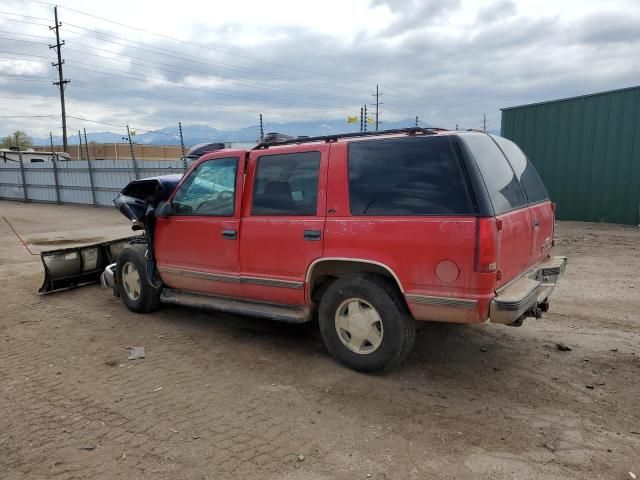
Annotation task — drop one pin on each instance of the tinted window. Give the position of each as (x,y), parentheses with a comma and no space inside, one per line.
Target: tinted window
(209,189)
(529,179)
(502,184)
(286,184)
(407,176)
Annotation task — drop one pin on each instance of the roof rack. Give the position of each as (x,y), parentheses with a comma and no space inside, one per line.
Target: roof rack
(336,137)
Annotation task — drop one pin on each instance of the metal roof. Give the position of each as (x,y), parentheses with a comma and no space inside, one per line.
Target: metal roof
(571,98)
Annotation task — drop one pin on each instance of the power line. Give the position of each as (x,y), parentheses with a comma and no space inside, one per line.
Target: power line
(182,56)
(185,69)
(160,49)
(218,74)
(226,52)
(155,62)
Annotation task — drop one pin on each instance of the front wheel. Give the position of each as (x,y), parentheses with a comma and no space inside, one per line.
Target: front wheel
(365,324)
(131,274)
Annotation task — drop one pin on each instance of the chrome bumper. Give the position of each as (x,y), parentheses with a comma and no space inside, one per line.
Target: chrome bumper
(527,295)
(108,277)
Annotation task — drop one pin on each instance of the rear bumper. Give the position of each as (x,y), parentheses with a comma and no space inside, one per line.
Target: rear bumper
(527,295)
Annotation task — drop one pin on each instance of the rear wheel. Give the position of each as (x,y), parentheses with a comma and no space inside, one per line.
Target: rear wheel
(131,273)
(365,324)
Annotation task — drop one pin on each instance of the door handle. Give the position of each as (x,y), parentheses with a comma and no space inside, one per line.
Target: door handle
(230,234)
(312,235)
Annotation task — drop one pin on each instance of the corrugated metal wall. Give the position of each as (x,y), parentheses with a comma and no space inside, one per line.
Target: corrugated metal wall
(75,181)
(587,150)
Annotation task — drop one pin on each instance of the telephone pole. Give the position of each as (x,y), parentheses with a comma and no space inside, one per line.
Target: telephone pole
(484,122)
(377,104)
(61,82)
(416,120)
(361,119)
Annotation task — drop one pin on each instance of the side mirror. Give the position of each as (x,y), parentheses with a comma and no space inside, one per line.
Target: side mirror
(164,209)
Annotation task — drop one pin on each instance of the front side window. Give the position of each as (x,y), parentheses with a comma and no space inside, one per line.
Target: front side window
(502,184)
(407,176)
(286,184)
(531,182)
(209,190)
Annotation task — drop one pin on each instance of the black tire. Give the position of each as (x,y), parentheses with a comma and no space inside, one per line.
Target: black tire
(397,327)
(148,298)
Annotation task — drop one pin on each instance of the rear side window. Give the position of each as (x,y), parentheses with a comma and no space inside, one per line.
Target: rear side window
(526,173)
(407,176)
(286,184)
(504,190)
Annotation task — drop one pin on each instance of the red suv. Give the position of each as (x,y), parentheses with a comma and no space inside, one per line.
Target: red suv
(372,232)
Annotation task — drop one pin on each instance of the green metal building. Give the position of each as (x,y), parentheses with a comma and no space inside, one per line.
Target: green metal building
(587,151)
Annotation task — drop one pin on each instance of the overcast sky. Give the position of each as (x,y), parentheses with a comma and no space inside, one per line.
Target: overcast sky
(223,63)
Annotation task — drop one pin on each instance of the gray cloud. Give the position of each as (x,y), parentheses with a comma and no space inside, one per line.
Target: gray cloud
(415,14)
(497,11)
(501,59)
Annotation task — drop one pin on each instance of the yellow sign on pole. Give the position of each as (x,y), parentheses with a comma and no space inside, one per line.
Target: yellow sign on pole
(352,119)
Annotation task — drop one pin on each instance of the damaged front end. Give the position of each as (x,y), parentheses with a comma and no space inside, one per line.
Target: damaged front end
(73,267)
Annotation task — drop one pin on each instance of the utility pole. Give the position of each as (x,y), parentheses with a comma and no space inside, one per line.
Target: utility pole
(261,129)
(416,120)
(484,122)
(61,82)
(361,119)
(377,104)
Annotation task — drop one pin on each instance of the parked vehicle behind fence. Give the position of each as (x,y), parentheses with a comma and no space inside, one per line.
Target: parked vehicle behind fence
(370,232)
(31,156)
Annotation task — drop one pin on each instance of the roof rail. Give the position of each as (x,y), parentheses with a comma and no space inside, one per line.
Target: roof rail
(335,137)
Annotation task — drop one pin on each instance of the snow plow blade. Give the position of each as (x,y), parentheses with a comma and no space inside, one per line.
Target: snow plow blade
(72,267)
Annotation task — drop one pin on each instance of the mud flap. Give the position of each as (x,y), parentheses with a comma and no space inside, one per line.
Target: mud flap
(71,267)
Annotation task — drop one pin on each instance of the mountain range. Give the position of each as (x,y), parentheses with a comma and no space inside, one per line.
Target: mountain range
(194,134)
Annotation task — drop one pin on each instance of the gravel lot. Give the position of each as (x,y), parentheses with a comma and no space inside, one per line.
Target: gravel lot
(221,396)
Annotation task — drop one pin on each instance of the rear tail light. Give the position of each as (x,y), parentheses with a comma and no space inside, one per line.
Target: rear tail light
(486,254)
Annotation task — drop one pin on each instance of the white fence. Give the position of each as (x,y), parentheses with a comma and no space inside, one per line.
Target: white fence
(92,182)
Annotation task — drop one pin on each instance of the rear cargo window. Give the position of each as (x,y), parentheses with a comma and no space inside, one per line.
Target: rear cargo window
(504,190)
(407,176)
(529,179)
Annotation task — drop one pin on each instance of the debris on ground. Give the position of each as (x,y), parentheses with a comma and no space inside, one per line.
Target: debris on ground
(300,458)
(112,363)
(157,389)
(563,347)
(590,387)
(88,448)
(136,353)
(632,475)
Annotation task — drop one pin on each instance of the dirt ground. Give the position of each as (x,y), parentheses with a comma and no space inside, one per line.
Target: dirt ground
(220,396)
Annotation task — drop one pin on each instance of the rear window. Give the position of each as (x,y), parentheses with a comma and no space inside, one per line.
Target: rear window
(407,176)
(503,186)
(526,173)
(287,184)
